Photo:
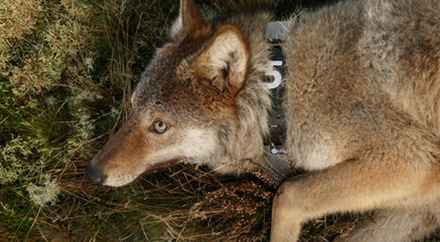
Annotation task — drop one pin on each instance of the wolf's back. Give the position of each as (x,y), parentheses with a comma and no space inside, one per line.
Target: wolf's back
(351,64)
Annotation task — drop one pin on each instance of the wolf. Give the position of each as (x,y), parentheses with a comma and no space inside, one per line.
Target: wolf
(362,104)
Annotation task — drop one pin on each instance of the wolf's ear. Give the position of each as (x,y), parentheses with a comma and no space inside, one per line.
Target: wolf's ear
(189,20)
(225,61)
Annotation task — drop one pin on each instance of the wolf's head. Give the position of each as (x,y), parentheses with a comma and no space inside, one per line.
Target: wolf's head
(200,101)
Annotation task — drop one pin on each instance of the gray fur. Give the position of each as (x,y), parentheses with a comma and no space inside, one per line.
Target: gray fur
(363,92)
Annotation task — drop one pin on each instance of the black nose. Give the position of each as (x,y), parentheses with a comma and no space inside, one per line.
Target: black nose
(95,173)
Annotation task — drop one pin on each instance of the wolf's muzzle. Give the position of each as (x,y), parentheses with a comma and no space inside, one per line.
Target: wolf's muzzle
(95,173)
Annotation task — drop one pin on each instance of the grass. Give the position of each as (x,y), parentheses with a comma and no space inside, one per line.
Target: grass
(67,69)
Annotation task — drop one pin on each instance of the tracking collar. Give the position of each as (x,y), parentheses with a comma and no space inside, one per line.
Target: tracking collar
(273,144)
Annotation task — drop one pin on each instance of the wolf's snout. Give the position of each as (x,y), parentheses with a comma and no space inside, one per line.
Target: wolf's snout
(95,173)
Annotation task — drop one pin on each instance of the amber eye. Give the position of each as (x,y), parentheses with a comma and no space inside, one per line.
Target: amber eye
(160,127)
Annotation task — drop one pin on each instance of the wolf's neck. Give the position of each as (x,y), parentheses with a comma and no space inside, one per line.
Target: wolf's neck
(253,102)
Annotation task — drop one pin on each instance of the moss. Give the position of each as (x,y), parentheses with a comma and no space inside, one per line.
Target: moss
(15,214)
(18,18)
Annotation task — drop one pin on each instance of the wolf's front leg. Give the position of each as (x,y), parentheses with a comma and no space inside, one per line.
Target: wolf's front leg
(351,185)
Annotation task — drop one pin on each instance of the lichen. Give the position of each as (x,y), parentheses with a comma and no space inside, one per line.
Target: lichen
(13,157)
(46,193)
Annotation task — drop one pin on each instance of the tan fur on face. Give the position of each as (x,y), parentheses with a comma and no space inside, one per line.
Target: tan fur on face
(135,148)
(122,158)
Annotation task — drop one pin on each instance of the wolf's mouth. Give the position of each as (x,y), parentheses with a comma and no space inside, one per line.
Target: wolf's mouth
(161,166)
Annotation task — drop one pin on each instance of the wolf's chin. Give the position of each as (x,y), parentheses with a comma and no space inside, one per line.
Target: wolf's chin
(161,166)
(120,182)
(126,180)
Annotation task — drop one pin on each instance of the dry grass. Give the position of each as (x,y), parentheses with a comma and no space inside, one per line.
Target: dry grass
(67,69)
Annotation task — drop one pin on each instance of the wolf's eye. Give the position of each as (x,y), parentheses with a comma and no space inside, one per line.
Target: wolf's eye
(160,127)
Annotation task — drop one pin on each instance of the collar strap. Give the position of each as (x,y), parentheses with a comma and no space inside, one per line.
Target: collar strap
(276,32)
(277,167)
